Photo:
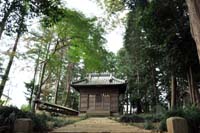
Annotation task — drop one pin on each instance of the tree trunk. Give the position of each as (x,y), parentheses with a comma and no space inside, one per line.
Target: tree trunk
(131,107)
(68,81)
(127,103)
(139,106)
(57,86)
(194,15)
(59,74)
(173,91)
(155,97)
(7,71)
(41,79)
(193,89)
(190,87)
(196,95)
(32,105)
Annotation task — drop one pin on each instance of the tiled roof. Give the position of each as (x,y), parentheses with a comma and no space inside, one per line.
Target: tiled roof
(99,79)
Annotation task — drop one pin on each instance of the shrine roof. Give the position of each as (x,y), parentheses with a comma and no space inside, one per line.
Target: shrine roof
(93,79)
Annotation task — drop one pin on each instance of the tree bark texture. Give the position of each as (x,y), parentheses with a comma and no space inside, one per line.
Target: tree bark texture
(68,81)
(32,104)
(173,91)
(193,89)
(57,86)
(194,15)
(155,97)
(7,71)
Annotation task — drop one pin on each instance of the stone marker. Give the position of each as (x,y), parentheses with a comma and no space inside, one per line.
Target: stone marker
(23,125)
(177,125)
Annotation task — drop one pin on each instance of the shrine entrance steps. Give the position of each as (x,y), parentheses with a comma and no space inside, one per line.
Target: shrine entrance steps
(100,113)
(99,125)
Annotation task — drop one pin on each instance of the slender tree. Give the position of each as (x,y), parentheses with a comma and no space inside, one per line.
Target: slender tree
(19,32)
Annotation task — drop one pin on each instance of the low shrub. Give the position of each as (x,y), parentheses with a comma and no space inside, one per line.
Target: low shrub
(8,115)
(140,118)
(131,118)
(153,118)
(191,114)
(41,122)
(148,125)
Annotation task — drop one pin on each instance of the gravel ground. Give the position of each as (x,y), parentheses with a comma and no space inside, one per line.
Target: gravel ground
(99,125)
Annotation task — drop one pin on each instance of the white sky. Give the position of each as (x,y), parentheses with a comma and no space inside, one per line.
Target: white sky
(20,73)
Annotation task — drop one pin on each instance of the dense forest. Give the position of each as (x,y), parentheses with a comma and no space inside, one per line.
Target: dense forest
(159,56)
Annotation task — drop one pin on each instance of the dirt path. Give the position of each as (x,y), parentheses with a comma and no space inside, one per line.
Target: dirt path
(99,125)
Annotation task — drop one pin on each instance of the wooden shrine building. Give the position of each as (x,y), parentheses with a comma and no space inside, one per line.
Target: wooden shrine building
(99,94)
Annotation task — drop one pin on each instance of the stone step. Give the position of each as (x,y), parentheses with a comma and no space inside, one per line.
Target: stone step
(98,113)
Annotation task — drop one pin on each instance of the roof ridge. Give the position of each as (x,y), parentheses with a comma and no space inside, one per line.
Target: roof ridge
(74,82)
(120,80)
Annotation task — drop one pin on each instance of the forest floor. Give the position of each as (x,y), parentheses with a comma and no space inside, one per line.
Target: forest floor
(99,125)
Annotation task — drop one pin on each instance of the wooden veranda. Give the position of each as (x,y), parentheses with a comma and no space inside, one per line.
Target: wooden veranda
(55,108)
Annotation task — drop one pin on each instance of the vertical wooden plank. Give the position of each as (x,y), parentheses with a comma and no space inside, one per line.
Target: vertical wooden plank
(114,102)
(84,103)
(106,102)
(91,102)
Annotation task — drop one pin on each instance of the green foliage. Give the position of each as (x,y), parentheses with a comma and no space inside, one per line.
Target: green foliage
(67,48)
(191,114)
(157,44)
(2,102)
(73,101)
(25,108)
(131,118)
(14,10)
(148,125)
(8,115)
(41,122)
(30,93)
(141,118)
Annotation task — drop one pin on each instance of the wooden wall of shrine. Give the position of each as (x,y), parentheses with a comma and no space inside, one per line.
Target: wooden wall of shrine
(99,99)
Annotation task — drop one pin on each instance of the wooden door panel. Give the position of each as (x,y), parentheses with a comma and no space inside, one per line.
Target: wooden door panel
(106,102)
(98,104)
(91,102)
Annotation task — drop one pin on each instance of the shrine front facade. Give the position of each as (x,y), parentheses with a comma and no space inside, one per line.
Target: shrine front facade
(99,94)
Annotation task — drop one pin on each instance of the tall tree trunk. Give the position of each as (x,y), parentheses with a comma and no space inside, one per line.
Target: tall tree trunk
(41,79)
(7,71)
(196,95)
(139,106)
(193,89)
(155,97)
(127,104)
(68,81)
(173,91)
(194,15)
(59,76)
(32,104)
(5,17)
(190,87)
(57,86)
(131,107)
